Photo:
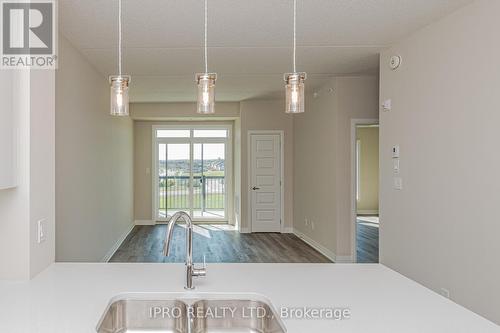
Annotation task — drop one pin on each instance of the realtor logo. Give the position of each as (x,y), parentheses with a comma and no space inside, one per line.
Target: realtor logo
(28,34)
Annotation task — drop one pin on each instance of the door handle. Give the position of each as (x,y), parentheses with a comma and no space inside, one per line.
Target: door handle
(255,188)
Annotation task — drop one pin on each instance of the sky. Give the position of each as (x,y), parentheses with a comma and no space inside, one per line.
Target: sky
(180,151)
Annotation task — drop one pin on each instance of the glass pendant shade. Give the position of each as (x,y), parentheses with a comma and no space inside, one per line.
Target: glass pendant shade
(206,93)
(294,85)
(119,95)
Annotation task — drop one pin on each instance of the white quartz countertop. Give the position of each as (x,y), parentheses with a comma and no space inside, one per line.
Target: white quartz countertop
(72,297)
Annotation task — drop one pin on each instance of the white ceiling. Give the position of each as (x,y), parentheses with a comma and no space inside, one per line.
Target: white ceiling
(250,40)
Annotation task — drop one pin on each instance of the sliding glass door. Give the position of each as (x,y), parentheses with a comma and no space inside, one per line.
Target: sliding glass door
(209,173)
(174,175)
(192,172)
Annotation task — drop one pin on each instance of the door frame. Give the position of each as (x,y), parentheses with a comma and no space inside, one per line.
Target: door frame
(281,134)
(354,183)
(229,203)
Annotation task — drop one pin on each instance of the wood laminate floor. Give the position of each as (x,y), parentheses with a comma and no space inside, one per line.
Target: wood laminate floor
(367,237)
(219,245)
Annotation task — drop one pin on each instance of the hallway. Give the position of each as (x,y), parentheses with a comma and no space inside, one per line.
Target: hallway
(367,238)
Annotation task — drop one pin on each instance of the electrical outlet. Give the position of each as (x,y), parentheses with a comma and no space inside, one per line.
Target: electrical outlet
(444,292)
(41,226)
(312,225)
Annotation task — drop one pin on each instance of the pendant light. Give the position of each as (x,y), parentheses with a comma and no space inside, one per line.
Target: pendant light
(119,83)
(206,81)
(294,82)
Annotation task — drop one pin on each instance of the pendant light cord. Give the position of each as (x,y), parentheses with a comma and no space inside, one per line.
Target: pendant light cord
(294,35)
(206,36)
(120,38)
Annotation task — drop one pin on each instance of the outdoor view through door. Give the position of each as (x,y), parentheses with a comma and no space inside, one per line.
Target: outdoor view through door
(192,171)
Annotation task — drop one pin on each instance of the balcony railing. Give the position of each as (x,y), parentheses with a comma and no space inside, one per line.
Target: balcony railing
(208,193)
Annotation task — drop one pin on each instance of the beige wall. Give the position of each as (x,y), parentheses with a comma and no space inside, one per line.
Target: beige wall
(181,111)
(143,170)
(322,178)
(145,116)
(357,99)
(314,168)
(94,163)
(255,115)
(369,170)
(42,168)
(267,115)
(440,229)
(21,257)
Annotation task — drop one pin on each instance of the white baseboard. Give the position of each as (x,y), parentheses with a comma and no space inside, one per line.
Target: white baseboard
(323,250)
(367,212)
(119,242)
(287,230)
(317,246)
(343,259)
(144,222)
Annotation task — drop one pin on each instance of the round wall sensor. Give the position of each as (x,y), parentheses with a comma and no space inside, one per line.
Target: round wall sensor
(395,62)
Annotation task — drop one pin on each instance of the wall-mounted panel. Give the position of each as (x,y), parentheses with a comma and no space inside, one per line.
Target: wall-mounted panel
(8,159)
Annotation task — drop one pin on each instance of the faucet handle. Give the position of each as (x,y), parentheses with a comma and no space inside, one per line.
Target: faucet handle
(201,271)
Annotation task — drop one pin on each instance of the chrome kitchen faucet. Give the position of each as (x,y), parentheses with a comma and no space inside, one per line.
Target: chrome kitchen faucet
(191,270)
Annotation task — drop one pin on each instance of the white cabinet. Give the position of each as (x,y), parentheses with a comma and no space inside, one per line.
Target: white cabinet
(8,131)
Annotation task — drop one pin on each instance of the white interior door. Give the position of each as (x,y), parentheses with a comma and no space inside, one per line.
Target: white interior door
(265,186)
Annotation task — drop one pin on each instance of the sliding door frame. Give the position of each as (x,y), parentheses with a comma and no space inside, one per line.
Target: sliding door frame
(228,166)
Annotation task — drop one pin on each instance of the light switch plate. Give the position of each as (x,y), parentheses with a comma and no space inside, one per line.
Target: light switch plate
(41,236)
(396,166)
(395,151)
(398,183)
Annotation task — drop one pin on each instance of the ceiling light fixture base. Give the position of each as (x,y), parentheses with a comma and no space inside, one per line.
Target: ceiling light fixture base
(122,79)
(295,77)
(206,76)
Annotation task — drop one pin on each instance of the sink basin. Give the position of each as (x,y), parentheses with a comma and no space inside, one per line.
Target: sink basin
(133,315)
(186,313)
(249,316)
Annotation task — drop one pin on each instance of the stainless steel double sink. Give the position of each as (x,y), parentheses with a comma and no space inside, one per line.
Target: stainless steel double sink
(181,313)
